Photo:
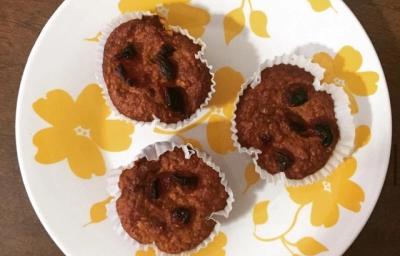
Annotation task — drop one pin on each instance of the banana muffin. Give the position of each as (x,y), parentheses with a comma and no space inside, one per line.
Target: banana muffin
(169,201)
(291,124)
(153,72)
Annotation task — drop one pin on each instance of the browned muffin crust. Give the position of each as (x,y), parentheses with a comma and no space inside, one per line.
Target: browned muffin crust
(169,201)
(151,71)
(289,121)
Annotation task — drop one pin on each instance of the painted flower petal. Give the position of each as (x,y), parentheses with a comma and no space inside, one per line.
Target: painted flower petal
(228,82)
(260,213)
(137,5)
(324,211)
(348,59)
(98,211)
(52,144)
(352,100)
(363,136)
(113,135)
(251,176)
(215,247)
(168,2)
(57,109)
(234,23)
(353,82)
(343,172)
(228,110)
(305,194)
(310,246)
(326,62)
(350,196)
(258,23)
(148,252)
(218,134)
(91,107)
(368,85)
(192,18)
(85,158)
(320,5)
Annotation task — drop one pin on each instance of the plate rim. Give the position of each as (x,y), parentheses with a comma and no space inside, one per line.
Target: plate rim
(18,114)
(389,116)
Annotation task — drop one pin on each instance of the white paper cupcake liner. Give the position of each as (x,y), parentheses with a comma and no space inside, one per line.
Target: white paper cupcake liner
(153,152)
(345,121)
(200,56)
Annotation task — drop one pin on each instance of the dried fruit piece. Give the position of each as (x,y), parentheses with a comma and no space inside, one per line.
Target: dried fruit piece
(298,127)
(181,215)
(154,192)
(298,96)
(121,71)
(185,180)
(283,160)
(167,68)
(166,50)
(127,53)
(131,82)
(325,133)
(174,97)
(123,74)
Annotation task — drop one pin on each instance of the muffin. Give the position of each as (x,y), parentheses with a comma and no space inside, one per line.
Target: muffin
(154,72)
(170,200)
(288,123)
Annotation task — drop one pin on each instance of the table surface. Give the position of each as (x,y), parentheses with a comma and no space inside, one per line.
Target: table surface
(20,24)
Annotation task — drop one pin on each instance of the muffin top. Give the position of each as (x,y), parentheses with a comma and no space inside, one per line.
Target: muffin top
(170,201)
(293,125)
(151,71)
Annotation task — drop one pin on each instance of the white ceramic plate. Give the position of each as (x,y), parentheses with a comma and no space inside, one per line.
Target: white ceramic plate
(67,141)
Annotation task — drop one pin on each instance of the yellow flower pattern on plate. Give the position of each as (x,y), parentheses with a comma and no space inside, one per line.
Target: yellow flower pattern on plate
(228,82)
(260,213)
(98,211)
(214,248)
(251,176)
(321,5)
(79,128)
(235,21)
(363,136)
(344,70)
(306,245)
(326,196)
(309,246)
(218,134)
(149,252)
(180,13)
